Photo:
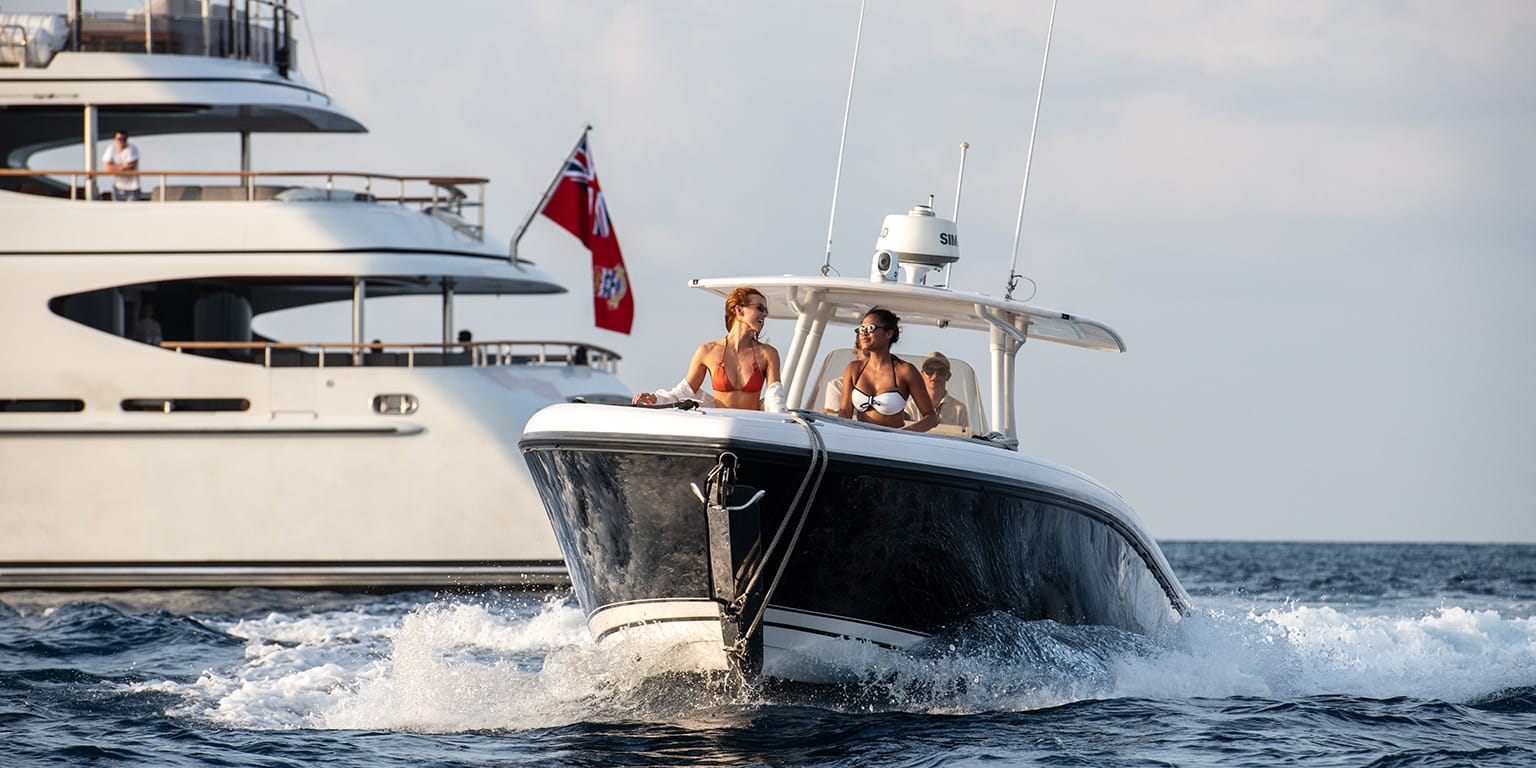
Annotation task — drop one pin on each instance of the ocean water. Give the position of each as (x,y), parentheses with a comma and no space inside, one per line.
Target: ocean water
(1295,654)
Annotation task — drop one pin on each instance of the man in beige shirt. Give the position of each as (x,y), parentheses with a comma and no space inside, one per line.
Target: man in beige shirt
(936,373)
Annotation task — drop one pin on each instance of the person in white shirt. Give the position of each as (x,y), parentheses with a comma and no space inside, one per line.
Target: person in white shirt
(122,156)
(833,398)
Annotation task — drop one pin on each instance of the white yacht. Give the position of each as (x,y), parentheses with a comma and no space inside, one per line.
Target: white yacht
(150,434)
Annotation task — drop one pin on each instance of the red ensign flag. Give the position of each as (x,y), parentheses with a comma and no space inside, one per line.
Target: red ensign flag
(577,204)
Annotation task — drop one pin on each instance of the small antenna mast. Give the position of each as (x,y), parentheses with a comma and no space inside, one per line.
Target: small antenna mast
(841,142)
(1029,155)
(959,183)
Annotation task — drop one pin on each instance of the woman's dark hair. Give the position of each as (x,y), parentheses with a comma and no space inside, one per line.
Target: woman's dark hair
(889,320)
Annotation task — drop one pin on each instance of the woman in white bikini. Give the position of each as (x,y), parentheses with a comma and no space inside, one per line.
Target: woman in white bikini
(876,389)
(743,372)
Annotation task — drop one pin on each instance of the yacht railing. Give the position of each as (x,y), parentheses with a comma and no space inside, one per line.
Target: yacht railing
(478,354)
(260,31)
(434,194)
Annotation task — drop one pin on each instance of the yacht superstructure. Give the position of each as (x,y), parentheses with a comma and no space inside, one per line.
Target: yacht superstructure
(150,435)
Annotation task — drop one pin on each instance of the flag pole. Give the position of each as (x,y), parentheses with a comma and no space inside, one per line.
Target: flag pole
(550,190)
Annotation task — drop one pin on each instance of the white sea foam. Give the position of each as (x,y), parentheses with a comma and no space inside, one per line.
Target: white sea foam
(444,667)
(1449,654)
(457,666)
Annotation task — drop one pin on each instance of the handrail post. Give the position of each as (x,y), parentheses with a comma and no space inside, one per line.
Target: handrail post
(276,41)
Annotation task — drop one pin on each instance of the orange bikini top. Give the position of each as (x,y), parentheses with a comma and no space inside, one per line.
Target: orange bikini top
(722,383)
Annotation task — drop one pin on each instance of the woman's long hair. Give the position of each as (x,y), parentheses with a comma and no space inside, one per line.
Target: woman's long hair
(738,299)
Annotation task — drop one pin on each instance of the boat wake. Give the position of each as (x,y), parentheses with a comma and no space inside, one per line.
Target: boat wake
(516,663)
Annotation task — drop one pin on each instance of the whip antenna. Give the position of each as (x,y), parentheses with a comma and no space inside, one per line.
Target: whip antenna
(959,182)
(837,177)
(1029,155)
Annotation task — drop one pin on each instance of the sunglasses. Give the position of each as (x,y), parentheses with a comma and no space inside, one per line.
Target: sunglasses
(869,329)
(763,308)
(936,371)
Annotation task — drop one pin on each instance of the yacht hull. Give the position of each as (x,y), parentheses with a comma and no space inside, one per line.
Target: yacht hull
(333,496)
(896,536)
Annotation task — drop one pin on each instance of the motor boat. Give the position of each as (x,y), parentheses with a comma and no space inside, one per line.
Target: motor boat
(749,541)
(151,434)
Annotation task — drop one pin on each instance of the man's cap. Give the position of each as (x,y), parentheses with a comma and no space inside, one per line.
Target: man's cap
(935,360)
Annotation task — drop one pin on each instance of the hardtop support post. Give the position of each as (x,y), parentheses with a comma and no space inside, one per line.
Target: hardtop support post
(814,313)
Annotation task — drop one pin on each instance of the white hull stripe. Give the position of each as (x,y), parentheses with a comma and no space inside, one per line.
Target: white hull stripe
(699,620)
(803,622)
(704,614)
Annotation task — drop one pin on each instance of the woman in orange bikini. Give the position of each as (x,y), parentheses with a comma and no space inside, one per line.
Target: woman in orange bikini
(743,372)
(876,389)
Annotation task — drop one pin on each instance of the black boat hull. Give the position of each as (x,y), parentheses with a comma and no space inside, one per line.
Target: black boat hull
(884,551)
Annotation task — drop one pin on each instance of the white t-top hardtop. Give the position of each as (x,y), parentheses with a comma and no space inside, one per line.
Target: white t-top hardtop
(918,305)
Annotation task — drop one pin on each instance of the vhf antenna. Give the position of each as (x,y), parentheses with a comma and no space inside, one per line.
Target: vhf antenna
(841,142)
(1013,275)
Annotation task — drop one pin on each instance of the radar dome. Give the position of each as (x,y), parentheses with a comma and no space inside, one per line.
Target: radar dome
(920,241)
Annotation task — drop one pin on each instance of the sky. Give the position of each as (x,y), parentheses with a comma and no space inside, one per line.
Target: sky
(1311,221)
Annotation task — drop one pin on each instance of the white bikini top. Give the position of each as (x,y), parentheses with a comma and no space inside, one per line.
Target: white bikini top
(886,403)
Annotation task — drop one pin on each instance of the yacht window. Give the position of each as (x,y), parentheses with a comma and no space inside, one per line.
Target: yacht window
(41,405)
(395,405)
(168,404)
